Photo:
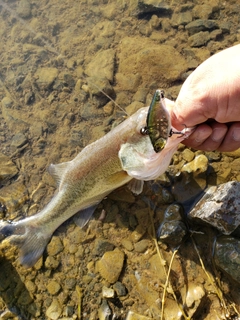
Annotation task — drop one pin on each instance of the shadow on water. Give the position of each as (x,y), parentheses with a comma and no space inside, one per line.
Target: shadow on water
(14,293)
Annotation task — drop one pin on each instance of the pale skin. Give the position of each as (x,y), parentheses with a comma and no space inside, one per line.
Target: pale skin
(210,100)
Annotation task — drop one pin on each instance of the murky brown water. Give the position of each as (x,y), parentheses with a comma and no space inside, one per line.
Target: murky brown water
(56,58)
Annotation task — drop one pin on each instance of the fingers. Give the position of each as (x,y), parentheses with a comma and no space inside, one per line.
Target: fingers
(217,136)
(231,141)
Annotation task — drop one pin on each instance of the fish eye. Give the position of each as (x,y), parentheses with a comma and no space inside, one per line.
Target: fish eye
(144,131)
(159,145)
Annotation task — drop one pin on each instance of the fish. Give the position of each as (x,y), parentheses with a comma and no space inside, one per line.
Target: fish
(124,155)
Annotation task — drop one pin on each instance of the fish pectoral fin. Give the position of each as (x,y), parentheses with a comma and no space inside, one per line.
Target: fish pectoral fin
(136,186)
(57,170)
(82,217)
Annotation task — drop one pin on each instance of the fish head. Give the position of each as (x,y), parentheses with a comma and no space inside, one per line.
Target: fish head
(146,154)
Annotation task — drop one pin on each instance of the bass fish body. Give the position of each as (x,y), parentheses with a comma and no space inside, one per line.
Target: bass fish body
(106,164)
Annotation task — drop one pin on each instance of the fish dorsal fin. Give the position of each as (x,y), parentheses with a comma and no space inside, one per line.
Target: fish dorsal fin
(136,186)
(57,171)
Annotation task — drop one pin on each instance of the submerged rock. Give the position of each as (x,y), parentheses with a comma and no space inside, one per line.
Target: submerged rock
(7,168)
(220,207)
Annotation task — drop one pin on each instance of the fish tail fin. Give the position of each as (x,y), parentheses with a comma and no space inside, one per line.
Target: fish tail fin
(30,241)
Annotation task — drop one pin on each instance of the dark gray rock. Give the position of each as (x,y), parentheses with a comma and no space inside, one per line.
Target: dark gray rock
(201,25)
(152,6)
(199,39)
(219,207)
(227,256)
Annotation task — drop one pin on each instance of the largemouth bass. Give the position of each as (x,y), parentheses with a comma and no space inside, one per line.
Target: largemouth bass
(126,152)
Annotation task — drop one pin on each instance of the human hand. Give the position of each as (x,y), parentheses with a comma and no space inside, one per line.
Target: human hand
(210,99)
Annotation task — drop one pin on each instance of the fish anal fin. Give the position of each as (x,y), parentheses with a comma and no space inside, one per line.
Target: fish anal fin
(57,171)
(136,186)
(82,217)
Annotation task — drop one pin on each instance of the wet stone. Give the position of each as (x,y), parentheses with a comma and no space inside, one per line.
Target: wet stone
(141,246)
(110,265)
(172,232)
(199,164)
(181,18)
(101,246)
(7,168)
(219,207)
(127,244)
(53,287)
(187,155)
(24,9)
(51,263)
(46,77)
(55,246)
(199,39)
(227,256)
(54,310)
(7,102)
(107,292)
(18,140)
(13,196)
(201,25)
(120,289)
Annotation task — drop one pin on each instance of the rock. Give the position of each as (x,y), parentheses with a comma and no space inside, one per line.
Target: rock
(7,168)
(104,312)
(13,196)
(54,310)
(151,6)
(172,230)
(7,102)
(199,164)
(141,246)
(110,265)
(51,263)
(187,155)
(127,244)
(194,298)
(45,77)
(53,287)
(102,65)
(199,39)
(227,256)
(202,11)
(219,207)
(120,289)
(153,62)
(24,9)
(201,25)
(55,246)
(181,18)
(101,246)
(135,316)
(18,140)
(107,292)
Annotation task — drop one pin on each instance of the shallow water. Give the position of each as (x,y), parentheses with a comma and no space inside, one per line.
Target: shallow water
(57,58)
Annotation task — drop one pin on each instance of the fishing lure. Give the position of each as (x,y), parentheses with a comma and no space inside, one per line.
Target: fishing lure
(158,122)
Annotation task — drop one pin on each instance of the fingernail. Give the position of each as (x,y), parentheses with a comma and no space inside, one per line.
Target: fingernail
(217,135)
(200,137)
(236,134)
